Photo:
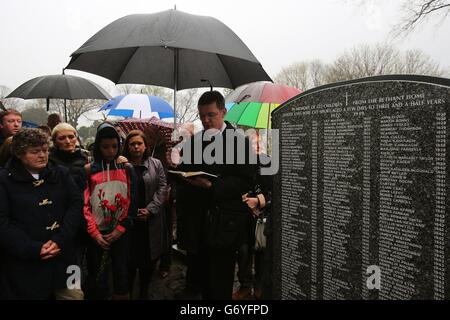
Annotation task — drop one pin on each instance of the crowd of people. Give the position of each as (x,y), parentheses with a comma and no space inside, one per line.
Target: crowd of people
(71,220)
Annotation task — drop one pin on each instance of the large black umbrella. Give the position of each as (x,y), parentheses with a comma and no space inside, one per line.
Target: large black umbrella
(60,86)
(171,49)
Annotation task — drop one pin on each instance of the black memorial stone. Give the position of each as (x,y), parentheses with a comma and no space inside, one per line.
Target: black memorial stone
(364,181)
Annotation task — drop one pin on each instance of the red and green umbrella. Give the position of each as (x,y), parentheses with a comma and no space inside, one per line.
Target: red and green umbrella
(251,104)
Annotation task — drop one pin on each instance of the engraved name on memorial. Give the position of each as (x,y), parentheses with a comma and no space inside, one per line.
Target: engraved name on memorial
(363,182)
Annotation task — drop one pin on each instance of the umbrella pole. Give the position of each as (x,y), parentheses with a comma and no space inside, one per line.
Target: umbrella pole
(65,111)
(258,141)
(267,129)
(175,89)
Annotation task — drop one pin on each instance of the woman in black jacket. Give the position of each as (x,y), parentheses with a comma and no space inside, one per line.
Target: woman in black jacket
(40,212)
(148,235)
(67,153)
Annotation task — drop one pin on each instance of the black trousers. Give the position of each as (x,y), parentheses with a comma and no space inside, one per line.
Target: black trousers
(98,261)
(195,273)
(140,258)
(166,258)
(220,264)
(245,263)
(145,275)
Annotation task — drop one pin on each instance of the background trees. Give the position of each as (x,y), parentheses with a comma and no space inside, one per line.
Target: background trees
(417,11)
(359,62)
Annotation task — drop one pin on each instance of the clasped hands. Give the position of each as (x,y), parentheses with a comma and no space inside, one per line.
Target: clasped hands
(104,241)
(253,204)
(50,249)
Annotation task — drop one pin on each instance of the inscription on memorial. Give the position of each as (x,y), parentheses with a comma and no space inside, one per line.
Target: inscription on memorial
(364,181)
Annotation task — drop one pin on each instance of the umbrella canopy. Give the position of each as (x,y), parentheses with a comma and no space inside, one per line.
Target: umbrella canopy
(59,86)
(171,49)
(138,106)
(141,124)
(165,129)
(28,124)
(251,105)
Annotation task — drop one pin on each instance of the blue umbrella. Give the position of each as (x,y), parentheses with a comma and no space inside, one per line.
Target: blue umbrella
(28,124)
(140,106)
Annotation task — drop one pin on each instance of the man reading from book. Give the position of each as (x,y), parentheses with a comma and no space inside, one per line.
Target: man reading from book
(210,241)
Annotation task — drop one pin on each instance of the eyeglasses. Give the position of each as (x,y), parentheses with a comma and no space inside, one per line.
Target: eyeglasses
(209,115)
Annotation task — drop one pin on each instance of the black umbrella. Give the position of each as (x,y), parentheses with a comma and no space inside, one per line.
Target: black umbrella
(171,49)
(60,86)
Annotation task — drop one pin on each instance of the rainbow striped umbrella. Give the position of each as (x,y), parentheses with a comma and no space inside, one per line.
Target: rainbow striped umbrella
(251,104)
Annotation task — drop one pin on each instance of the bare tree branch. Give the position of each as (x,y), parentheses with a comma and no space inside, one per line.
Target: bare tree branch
(187,105)
(75,108)
(302,75)
(359,62)
(127,88)
(365,61)
(418,11)
(4,91)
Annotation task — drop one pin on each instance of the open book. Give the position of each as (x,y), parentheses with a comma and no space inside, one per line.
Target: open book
(191,174)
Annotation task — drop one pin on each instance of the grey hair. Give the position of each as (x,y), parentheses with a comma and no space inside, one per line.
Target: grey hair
(62,127)
(28,137)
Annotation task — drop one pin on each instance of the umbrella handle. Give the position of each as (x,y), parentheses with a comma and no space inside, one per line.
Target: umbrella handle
(209,82)
(243,98)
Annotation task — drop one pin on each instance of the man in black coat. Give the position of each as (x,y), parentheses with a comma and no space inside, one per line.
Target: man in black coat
(213,211)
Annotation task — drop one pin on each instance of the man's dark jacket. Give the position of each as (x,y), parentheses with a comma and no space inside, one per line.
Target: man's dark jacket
(225,195)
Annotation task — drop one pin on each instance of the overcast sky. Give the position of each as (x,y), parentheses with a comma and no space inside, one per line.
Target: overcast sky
(38,36)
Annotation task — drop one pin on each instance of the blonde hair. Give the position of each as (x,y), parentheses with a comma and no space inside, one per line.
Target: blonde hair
(61,127)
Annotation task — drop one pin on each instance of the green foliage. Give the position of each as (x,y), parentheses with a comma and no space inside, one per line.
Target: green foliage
(87,134)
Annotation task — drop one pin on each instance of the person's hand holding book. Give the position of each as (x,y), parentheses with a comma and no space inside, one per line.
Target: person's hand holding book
(200,182)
